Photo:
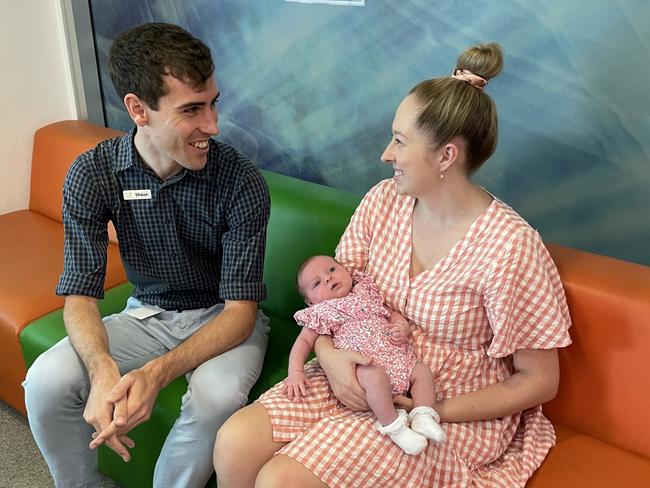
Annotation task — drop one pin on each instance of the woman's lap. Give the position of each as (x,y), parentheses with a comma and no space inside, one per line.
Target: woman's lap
(343,448)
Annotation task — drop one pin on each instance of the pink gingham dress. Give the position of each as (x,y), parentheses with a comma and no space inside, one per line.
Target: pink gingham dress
(495,292)
(359,322)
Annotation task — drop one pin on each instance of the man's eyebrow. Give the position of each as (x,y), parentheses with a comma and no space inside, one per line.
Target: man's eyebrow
(197,104)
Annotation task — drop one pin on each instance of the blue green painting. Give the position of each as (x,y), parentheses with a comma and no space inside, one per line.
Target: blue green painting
(310,91)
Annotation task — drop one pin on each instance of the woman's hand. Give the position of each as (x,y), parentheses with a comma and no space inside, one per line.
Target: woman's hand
(340,366)
(404,402)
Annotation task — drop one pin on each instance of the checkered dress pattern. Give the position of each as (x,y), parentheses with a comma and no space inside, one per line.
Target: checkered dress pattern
(197,241)
(495,292)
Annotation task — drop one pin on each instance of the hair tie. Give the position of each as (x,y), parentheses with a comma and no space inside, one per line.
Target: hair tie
(468,77)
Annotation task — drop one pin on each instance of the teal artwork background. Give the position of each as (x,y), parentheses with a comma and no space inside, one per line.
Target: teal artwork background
(310,91)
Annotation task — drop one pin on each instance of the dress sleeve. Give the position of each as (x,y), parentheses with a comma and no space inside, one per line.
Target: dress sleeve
(352,250)
(317,318)
(524,299)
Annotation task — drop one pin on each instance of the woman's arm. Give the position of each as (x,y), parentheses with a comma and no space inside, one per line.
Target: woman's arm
(534,382)
(340,366)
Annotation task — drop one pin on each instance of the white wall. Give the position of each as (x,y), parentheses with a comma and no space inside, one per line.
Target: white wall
(35,88)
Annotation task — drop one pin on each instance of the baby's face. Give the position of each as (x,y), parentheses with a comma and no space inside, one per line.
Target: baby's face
(323,279)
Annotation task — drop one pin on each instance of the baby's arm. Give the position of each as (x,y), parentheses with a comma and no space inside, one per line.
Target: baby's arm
(295,386)
(400,330)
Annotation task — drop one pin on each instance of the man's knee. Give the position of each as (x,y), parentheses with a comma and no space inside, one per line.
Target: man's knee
(53,377)
(211,399)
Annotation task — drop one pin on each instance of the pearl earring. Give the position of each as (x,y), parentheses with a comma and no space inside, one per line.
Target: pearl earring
(442,175)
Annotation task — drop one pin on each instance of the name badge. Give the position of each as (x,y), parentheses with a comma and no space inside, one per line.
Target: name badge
(143,312)
(137,194)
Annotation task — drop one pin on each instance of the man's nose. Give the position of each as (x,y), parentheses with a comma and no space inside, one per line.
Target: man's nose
(210,123)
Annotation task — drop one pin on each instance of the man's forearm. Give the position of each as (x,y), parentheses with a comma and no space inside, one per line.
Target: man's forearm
(87,333)
(229,329)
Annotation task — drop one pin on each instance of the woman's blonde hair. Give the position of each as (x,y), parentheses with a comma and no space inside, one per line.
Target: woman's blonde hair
(451,107)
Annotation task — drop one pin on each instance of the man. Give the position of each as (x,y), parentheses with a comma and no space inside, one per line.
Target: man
(190,215)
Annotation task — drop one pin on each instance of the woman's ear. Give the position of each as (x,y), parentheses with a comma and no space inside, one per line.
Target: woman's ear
(448,155)
(451,152)
(137,109)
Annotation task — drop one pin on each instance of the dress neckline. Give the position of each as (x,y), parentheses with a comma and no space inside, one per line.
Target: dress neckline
(465,243)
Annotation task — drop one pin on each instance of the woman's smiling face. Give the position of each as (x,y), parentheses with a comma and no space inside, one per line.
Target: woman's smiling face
(409,151)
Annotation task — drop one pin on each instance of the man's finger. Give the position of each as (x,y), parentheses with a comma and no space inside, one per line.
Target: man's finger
(120,390)
(117,447)
(130,443)
(120,414)
(104,435)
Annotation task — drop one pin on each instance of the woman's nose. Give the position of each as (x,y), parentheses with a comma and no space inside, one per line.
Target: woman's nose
(387,155)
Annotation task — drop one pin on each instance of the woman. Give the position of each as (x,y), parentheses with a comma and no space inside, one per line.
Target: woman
(477,281)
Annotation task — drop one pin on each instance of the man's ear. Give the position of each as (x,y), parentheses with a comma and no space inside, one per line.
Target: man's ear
(138,110)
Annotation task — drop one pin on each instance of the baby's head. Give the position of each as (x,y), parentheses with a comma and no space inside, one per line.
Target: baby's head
(322,278)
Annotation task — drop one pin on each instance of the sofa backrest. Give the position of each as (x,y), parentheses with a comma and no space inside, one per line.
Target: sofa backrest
(605,373)
(306,219)
(56,146)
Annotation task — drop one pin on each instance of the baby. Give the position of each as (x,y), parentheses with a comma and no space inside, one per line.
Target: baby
(351,310)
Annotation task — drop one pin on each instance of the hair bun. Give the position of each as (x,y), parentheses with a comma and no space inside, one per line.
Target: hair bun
(484,60)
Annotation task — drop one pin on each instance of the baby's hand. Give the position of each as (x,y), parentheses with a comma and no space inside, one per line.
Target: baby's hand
(296,384)
(400,332)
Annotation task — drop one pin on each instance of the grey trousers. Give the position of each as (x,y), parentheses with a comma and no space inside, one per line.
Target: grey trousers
(57,387)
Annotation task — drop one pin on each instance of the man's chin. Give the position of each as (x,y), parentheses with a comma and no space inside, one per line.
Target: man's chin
(195,164)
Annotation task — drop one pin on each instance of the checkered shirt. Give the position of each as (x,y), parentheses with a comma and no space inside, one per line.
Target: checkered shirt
(199,239)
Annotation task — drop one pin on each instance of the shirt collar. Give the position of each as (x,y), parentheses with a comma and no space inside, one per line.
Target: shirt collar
(128,156)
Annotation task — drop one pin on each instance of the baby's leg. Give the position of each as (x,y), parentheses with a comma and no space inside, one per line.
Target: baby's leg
(379,394)
(390,422)
(423,390)
(424,419)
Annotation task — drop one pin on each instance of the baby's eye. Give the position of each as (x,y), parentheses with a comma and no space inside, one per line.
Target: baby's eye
(316,284)
(332,269)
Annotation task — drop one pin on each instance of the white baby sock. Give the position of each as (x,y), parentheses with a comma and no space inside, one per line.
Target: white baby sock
(424,420)
(398,431)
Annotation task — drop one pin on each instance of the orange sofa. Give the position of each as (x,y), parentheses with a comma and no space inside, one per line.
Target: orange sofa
(31,247)
(602,410)
(603,434)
